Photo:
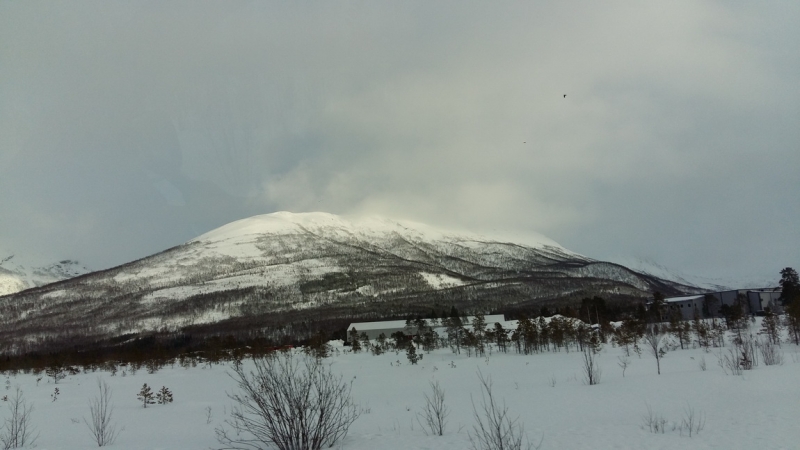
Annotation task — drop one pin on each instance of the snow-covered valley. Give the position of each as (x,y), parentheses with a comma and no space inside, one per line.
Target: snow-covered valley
(757,409)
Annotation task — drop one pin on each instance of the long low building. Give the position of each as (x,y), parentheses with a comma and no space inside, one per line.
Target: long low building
(388,327)
(686,305)
(754,301)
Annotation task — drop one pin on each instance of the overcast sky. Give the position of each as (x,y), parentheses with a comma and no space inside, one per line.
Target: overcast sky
(130,127)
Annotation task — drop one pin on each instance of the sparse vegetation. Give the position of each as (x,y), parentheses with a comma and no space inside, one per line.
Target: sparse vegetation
(433,417)
(494,428)
(103,430)
(18,430)
(289,402)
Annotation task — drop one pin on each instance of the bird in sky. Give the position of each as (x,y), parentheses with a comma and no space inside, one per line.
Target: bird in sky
(565,95)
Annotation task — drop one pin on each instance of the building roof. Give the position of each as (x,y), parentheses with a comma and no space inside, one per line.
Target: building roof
(400,324)
(683,299)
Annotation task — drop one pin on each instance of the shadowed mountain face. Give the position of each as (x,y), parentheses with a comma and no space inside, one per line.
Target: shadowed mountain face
(281,272)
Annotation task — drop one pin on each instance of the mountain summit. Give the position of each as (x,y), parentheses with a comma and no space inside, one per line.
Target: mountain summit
(286,273)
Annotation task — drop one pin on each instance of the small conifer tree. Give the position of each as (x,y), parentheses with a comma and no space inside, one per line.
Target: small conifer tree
(56,372)
(411,354)
(771,327)
(164,396)
(146,396)
(355,344)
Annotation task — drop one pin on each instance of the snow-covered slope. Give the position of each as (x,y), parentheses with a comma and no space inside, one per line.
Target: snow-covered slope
(287,270)
(18,273)
(372,228)
(647,266)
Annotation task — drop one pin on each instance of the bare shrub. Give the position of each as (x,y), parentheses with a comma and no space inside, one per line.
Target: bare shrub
(692,422)
(729,362)
(101,410)
(624,362)
(770,353)
(741,357)
(495,430)
(653,421)
(702,363)
(746,348)
(209,415)
(591,371)
(433,416)
(17,430)
(289,403)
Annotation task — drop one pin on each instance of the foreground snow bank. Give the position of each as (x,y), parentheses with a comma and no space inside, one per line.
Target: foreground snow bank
(755,410)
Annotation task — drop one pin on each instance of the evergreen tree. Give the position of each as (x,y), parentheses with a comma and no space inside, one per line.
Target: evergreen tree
(381,341)
(500,337)
(146,396)
(793,321)
(365,344)
(56,372)
(732,313)
(479,330)
(411,354)
(771,327)
(318,346)
(679,328)
(701,330)
(400,341)
(429,340)
(455,332)
(625,335)
(790,285)
(657,307)
(790,296)
(164,396)
(355,344)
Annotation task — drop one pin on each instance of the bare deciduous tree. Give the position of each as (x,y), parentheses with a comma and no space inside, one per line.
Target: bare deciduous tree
(591,371)
(495,430)
(101,410)
(18,431)
(624,362)
(289,402)
(654,340)
(433,418)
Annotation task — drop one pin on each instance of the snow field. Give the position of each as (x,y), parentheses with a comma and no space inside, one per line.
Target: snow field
(757,410)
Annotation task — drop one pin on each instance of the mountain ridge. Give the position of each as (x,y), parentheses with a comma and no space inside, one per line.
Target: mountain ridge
(285,272)
(19,273)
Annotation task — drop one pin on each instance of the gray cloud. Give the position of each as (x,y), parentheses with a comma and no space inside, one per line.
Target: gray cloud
(126,128)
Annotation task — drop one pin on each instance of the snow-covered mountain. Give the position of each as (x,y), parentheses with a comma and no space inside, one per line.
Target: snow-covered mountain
(289,271)
(647,266)
(18,273)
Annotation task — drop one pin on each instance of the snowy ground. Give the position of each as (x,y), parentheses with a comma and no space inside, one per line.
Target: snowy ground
(757,410)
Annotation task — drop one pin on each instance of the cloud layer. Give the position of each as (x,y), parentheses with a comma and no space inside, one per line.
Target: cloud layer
(126,128)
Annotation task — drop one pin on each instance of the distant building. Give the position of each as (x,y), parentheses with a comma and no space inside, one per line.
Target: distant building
(687,305)
(754,302)
(388,327)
